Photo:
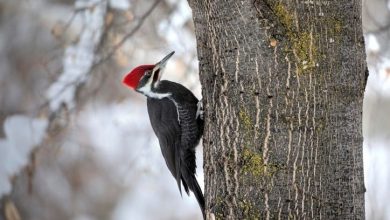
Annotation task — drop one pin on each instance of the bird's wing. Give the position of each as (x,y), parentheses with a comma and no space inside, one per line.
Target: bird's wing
(164,119)
(189,135)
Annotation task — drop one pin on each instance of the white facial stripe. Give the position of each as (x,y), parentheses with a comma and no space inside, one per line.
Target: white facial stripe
(147,90)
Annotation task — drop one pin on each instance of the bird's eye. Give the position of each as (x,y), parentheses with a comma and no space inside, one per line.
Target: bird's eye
(148,73)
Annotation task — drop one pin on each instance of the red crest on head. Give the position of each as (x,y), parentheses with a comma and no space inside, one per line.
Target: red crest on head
(133,77)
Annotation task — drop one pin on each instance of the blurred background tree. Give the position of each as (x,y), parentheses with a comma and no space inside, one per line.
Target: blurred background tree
(92,153)
(63,62)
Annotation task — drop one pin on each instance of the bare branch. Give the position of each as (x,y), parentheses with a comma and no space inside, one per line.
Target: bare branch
(128,35)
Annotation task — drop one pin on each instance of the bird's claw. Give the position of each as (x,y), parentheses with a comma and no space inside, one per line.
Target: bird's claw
(199,110)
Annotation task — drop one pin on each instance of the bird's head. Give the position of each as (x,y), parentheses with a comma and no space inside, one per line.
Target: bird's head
(146,77)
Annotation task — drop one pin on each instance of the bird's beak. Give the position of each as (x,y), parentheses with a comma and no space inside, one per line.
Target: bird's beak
(163,62)
(159,68)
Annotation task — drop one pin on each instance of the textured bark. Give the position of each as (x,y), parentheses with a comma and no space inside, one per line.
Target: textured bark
(283,86)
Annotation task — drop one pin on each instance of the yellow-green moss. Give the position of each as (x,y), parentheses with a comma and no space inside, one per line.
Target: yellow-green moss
(247,210)
(219,200)
(337,26)
(284,16)
(245,119)
(320,125)
(334,27)
(305,50)
(253,163)
(302,42)
(218,216)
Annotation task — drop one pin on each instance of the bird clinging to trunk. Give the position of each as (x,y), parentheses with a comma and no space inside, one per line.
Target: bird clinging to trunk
(176,116)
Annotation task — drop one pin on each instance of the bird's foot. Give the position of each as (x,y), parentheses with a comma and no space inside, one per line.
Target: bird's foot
(199,111)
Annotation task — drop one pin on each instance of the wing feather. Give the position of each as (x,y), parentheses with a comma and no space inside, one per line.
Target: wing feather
(163,117)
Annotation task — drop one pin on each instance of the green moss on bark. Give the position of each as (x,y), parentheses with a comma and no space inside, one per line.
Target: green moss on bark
(248,212)
(302,44)
(305,50)
(253,163)
(284,16)
(245,120)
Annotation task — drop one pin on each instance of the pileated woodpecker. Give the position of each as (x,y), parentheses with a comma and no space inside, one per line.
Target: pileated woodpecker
(176,116)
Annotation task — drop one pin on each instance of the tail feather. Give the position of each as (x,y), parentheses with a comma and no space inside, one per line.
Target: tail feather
(185,186)
(190,180)
(177,175)
(199,197)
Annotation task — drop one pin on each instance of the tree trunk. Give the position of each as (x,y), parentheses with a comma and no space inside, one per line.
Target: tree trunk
(283,85)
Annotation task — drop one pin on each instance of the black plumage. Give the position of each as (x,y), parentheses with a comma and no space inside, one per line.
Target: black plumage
(178,130)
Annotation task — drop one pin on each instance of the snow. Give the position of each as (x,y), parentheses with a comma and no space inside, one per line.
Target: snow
(372,44)
(22,135)
(79,58)
(119,4)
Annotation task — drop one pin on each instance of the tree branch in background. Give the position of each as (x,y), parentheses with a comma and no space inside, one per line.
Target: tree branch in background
(128,35)
(74,84)
(78,59)
(380,26)
(23,133)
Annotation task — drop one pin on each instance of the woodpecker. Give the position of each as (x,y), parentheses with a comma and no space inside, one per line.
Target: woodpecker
(176,116)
